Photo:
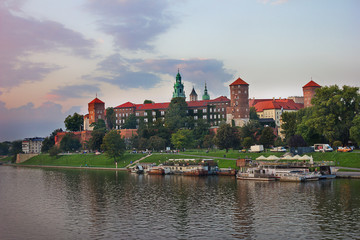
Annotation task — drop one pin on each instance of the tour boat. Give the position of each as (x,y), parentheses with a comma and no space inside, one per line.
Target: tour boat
(255,173)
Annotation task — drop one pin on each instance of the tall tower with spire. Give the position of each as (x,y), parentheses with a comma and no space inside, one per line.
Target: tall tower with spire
(178,87)
(206,96)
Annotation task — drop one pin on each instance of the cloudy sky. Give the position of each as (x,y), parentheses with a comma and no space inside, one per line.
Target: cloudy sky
(57,55)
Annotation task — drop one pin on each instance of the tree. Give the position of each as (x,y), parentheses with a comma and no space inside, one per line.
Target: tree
(130,122)
(334,111)
(267,137)
(289,124)
(175,117)
(74,123)
(69,143)
(49,141)
(15,148)
(355,129)
(227,137)
(208,141)
(148,101)
(54,151)
(253,114)
(4,148)
(99,125)
(201,129)
(157,143)
(297,141)
(110,118)
(96,139)
(247,142)
(113,145)
(183,138)
(252,129)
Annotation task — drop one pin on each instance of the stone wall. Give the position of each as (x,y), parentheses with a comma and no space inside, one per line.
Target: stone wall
(22,157)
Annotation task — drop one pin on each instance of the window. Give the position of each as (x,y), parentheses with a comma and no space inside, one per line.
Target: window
(154,119)
(222,109)
(204,117)
(204,110)
(195,110)
(195,117)
(146,120)
(162,113)
(137,114)
(211,116)
(154,113)
(145,113)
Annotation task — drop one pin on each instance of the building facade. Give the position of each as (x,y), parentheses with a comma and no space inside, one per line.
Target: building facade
(96,110)
(32,145)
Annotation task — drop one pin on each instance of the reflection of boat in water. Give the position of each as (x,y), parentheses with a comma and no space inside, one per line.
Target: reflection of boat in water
(197,171)
(255,173)
(226,172)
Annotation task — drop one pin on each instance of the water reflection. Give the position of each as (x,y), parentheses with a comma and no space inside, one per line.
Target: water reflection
(68,204)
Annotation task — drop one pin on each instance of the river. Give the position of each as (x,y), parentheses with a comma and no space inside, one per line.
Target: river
(37,203)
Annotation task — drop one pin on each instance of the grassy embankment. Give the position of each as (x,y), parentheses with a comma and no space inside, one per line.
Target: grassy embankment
(225,160)
(77,160)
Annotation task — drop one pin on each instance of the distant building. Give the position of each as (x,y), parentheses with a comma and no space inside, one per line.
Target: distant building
(309,91)
(178,87)
(32,145)
(273,108)
(297,99)
(238,112)
(193,95)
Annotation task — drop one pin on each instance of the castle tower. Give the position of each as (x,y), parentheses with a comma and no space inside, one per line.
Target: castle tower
(206,96)
(309,92)
(238,112)
(178,87)
(193,95)
(96,110)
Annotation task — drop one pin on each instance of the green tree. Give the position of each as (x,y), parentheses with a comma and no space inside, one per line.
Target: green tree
(297,141)
(334,111)
(253,114)
(157,143)
(69,143)
(227,137)
(355,130)
(247,142)
(175,117)
(74,123)
(96,139)
(54,151)
(201,129)
(183,138)
(114,145)
(267,137)
(148,101)
(110,118)
(208,141)
(15,148)
(50,141)
(289,124)
(252,129)
(99,125)
(4,148)
(130,122)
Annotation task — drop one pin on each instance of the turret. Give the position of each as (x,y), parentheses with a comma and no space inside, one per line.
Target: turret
(178,87)
(206,96)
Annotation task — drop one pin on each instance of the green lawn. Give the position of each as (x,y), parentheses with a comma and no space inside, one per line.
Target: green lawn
(78,160)
(350,159)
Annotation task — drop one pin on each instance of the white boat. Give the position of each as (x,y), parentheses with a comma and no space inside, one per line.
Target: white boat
(255,173)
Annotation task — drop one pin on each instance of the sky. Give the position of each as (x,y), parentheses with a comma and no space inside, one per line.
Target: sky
(57,56)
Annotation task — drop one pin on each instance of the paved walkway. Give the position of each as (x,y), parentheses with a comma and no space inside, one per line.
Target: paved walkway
(135,162)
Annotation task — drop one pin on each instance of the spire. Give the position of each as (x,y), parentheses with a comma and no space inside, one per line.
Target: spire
(193,95)
(206,96)
(178,87)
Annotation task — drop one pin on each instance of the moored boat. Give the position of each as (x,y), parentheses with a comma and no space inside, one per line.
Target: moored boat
(226,172)
(255,173)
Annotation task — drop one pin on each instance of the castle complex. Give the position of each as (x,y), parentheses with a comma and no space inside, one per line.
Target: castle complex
(234,111)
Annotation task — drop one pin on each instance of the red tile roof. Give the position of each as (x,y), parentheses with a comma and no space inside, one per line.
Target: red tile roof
(165,105)
(286,104)
(126,105)
(311,84)
(239,81)
(96,100)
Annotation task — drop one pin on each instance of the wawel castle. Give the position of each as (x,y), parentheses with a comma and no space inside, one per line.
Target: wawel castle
(214,111)
(234,111)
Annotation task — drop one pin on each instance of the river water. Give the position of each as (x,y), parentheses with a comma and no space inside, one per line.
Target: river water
(90,204)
